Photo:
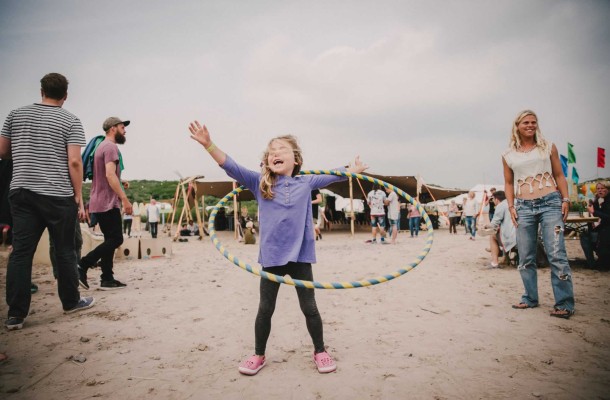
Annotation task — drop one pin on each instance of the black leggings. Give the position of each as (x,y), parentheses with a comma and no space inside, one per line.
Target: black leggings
(307,301)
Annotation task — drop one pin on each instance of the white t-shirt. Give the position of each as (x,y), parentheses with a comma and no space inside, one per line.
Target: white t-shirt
(375,200)
(393,206)
(152,213)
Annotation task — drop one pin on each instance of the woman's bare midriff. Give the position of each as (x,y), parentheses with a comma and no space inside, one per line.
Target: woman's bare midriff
(536,191)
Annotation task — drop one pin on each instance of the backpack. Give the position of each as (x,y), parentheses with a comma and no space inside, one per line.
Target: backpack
(88,155)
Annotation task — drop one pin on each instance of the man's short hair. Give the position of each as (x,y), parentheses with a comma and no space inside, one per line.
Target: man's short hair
(500,195)
(54,86)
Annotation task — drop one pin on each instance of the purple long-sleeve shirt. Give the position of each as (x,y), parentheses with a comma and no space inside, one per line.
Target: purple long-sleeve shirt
(286,222)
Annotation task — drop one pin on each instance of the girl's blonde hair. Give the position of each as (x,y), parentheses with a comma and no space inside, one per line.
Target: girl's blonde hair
(268,178)
(515,141)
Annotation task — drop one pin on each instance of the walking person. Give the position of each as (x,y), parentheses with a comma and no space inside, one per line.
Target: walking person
(107,197)
(393,213)
(44,140)
(470,210)
(414,219)
(454,217)
(375,200)
(287,244)
(533,174)
(152,216)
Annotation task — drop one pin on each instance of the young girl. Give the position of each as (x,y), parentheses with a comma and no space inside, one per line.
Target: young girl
(287,245)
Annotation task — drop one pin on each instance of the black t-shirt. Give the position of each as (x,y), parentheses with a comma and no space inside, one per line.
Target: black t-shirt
(314,207)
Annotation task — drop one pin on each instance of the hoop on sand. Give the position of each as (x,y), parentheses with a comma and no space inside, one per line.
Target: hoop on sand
(326,285)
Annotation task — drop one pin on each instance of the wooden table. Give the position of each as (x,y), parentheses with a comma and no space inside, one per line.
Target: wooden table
(579,224)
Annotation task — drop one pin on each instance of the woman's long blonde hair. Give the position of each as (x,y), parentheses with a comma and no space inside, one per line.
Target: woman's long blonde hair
(268,178)
(515,141)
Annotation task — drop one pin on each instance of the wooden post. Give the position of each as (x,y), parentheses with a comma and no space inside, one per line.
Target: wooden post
(351,204)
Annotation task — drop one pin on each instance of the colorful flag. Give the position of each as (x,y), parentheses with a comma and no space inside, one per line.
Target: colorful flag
(574,176)
(601,158)
(564,164)
(571,155)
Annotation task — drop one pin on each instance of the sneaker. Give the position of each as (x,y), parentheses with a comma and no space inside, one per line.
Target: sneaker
(111,285)
(324,362)
(33,288)
(252,365)
(82,277)
(83,304)
(14,323)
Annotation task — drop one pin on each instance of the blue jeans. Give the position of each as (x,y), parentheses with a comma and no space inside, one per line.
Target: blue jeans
(414,225)
(471,225)
(546,213)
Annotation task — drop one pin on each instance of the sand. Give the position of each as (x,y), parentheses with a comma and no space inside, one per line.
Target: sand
(445,330)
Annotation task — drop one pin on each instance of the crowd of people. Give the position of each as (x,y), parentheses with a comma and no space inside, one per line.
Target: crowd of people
(46,193)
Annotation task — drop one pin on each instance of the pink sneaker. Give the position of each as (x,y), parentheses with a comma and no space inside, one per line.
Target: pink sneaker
(252,365)
(324,362)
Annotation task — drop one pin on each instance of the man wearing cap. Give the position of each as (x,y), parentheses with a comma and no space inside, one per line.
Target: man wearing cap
(107,197)
(44,141)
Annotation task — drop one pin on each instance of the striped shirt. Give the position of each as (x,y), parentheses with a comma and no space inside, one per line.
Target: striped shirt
(39,136)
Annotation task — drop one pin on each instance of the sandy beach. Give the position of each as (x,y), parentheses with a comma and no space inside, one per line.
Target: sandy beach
(445,330)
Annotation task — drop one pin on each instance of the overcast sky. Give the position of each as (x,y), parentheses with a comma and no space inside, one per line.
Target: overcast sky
(413,87)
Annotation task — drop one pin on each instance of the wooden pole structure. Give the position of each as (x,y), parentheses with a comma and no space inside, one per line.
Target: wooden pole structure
(351,204)
(175,205)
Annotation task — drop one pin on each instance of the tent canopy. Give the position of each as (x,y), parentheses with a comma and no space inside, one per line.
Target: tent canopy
(406,183)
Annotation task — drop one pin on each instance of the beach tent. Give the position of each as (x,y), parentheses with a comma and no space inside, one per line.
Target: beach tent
(406,183)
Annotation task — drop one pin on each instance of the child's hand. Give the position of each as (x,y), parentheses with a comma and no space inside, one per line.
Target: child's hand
(200,133)
(357,167)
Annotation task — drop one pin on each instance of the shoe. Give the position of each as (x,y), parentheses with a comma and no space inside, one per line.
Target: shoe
(252,365)
(33,288)
(14,323)
(82,277)
(83,304)
(111,285)
(562,313)
(492,266)
(523,306)
(324,362)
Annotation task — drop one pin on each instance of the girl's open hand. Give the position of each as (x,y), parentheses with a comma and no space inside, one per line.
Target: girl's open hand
(200,133)
(357,166)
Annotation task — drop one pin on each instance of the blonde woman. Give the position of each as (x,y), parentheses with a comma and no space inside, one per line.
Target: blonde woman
(533,174)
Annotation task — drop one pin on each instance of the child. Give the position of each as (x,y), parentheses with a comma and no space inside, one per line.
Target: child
(249,232)
(287,245)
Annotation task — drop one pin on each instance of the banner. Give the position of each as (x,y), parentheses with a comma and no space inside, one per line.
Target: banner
(601,158)
(564,164)
(571,155)
(574,176)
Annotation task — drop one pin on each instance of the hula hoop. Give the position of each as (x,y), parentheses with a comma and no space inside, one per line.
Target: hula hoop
(325,285)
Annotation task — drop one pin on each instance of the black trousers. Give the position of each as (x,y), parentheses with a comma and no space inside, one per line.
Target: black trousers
(32,213)
(307,302)
(110,223)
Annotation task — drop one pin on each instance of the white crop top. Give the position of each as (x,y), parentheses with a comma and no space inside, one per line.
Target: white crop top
(530,168)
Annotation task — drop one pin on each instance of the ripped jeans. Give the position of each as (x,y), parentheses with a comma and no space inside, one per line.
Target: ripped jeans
(546,213)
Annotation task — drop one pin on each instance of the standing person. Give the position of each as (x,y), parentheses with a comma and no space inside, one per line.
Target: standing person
(532,173)
(393,213)
(152,216)
(414,219)
(287,244)
(107,196)
(491,203)
(504,236)
(470,210)
(601,209)
(316,200)
(127,221)
(44,141)
(375,200)
(454,217)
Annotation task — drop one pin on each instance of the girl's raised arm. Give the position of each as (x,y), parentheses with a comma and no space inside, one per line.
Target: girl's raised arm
(200,134)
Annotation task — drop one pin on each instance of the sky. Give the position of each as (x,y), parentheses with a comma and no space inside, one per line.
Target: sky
(427,88)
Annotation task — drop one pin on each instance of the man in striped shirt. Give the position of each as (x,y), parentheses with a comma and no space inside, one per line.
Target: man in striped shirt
(44,141)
